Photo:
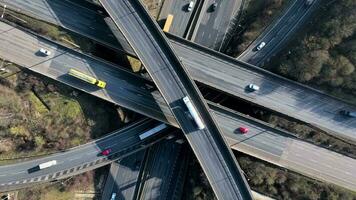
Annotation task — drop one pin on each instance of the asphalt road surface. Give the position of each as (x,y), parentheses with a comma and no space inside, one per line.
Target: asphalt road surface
(169,76)
(135,93)
(181,19)
(76,160)
(72,16)
(124,177)
(213,25)
(279,32)
(230,76)
(279,148)
(164,159)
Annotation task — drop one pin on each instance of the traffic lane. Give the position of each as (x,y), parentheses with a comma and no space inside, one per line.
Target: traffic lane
(181,16)
(159,169)
(203,146)
(75,156)
(57,66)
(299,22)
(281,33)
(336,167)
(276,94)
(281,149)
(153,57)
(260,136)
(123,177)
(251,49)
(71,16)
(214,24)
(277,33)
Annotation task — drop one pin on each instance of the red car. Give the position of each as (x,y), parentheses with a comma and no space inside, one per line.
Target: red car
(106,152)
(243,130)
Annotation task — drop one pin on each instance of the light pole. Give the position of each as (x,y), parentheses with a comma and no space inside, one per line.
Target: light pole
(3,12)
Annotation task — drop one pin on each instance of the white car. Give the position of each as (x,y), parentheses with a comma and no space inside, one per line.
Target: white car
(190,6)
(253,87)
(113,196)
(260,46)
(45,52)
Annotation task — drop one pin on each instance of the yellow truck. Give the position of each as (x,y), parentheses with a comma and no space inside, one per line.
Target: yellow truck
(168,23)
(86,78)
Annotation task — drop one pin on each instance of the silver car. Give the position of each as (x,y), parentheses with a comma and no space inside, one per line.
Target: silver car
(261,45)
(45,52)
(253,87)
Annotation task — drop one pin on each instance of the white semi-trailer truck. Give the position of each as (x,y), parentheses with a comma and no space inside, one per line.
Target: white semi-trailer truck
(193,113)
(47,164)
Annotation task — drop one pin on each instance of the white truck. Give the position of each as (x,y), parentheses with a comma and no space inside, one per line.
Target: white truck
(152,131)
(193,113)
(47,164)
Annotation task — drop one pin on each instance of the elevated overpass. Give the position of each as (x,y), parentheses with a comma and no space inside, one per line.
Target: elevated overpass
(78,159)
(170,77)
(222,72)
(134,92)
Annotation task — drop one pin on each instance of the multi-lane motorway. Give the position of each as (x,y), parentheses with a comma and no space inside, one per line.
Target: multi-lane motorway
(124,177)
(135,93)
(279,32)
(159,177)
(65,13)
(78,159)
(170,77)
(182,18)
(231,76)
(213,24)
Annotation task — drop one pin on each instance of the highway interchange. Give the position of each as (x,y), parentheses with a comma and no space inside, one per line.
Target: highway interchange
(171,79)
(231,76)
(263,142)
(294,146)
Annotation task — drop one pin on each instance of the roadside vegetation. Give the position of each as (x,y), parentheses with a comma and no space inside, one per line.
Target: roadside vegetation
(40,116)
(256,18)
(154,7)
(324,53)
